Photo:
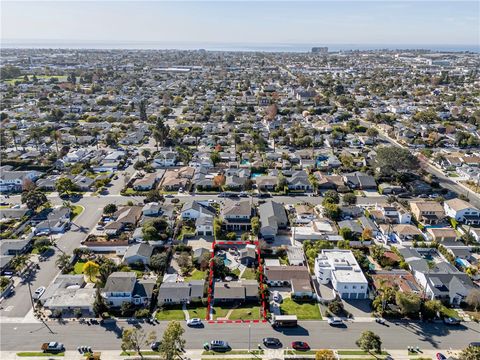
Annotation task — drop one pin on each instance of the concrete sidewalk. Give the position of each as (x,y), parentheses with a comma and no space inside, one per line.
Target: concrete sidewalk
(197,355)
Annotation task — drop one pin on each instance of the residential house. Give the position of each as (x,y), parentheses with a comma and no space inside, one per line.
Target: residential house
(138,253)
(272,218)
(236,216)
(9,249)
(296,277)
(54,220)
(195,209)
(340,268)
(204,225)
(442,235)
(14,180)
(427,212)
(359,180)
(69,293)
(442,281)
(171,293)
(147,182)
(236,291)
(299,182)
(248,255)
(164,158)
(123,287)
(462,211)
(266,182)
(151,209)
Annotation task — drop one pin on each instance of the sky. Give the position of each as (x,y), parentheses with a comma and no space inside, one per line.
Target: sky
(253,22)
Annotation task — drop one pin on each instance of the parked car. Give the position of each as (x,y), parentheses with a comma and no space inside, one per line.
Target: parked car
(335,321)
(451,321)
(440,356)
(155,345)
(38,293)
(381,321)
(194,322)
(271,342)
(217,345)
(300,345)
(53,347)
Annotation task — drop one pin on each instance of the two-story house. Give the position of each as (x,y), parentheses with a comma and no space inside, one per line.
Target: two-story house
(236,216)
(340,268)
(427,212)
(462,211)
(123,287)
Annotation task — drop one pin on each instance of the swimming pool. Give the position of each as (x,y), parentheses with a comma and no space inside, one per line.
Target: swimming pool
(254,175)
(227,262)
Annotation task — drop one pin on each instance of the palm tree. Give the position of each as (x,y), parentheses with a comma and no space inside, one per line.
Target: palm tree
(19,262)
(14,134)
(56,136)
(430,267)
(146,154)
(35,135)
(63,261)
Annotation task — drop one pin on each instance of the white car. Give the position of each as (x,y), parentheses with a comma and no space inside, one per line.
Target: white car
(277,297)
(335,321)
(39,292)
(194,322)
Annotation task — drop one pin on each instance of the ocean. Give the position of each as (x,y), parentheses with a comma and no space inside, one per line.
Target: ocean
(295,48)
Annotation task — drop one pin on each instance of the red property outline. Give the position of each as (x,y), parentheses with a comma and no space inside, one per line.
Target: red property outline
(261,284)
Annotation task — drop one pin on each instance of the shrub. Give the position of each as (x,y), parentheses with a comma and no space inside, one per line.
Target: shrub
(231,236)
(142,313)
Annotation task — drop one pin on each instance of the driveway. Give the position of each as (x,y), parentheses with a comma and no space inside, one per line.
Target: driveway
(358,308)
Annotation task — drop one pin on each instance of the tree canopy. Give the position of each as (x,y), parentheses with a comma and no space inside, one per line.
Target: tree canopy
(392,160)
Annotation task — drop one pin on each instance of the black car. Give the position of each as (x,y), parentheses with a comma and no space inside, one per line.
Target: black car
(155,345)
(271,342)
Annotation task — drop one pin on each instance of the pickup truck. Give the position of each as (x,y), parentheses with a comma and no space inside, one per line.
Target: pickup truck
(53,347)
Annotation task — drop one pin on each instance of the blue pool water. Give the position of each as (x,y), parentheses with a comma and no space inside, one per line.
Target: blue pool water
(227,262)
(254,175)
(244,162)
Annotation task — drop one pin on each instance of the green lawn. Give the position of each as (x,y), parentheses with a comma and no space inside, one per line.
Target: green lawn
(173,313)
(144,352)
(197,311)
(249,274)
(234,352)
(77,210)
(37,353)
(196,275)
(357,352)
(219,312)
(236,272)
(186,232)
(304,311)
(246,313)
(78,267)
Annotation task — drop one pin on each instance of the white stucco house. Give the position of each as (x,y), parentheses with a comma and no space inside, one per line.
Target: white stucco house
(340,268)
(462,211)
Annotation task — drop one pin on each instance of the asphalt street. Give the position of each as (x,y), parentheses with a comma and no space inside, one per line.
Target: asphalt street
(317,333)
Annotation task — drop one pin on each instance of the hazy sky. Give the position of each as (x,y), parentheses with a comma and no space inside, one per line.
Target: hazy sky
(319,22)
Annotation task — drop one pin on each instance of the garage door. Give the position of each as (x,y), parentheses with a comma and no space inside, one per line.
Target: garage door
(353,295)
(361,296)
(345,296)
